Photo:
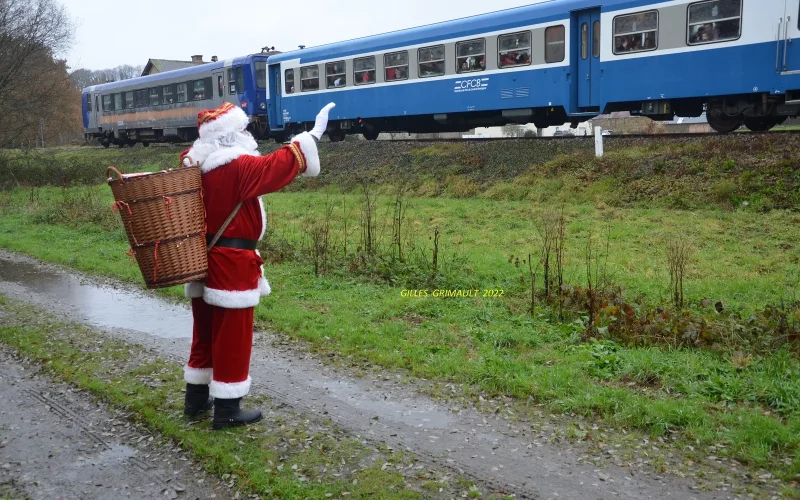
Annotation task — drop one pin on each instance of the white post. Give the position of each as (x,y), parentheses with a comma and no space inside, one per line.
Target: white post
(598,142)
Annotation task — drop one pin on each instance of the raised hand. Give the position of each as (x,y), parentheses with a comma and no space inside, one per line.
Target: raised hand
(321,123)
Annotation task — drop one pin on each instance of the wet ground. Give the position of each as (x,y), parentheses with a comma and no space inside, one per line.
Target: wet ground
(56,442)
(500,454)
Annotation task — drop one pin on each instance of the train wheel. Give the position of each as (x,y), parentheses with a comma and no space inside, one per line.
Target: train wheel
(145,144)
(372,135)
(106,143)
(761,124)
(724,123)
(337,136)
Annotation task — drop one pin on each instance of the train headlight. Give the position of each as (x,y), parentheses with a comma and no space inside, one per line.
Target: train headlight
(262,106)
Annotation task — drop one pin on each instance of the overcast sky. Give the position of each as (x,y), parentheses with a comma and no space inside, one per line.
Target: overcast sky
(113,33)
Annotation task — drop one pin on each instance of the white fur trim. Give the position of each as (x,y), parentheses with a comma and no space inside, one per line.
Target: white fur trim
(230,299)
(225,390)
(194,289)
(199,376)
(263,218)
(308,146)
(263,287)
(234,120)
(222,157)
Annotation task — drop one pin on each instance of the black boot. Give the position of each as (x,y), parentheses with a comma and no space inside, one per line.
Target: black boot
(197,400)
(228,414)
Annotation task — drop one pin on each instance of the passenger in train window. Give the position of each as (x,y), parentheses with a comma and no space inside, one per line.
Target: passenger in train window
(391,74)
(402,73)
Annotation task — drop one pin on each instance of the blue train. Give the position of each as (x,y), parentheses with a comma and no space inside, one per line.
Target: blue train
(548,64)
(163,107)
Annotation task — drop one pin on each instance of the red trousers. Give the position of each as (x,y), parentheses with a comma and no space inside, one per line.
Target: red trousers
(222,340)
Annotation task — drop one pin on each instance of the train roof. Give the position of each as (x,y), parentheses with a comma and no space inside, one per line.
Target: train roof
(508,19)
(176,73)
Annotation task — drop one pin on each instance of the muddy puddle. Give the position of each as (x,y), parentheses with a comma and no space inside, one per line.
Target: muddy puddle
(100,306)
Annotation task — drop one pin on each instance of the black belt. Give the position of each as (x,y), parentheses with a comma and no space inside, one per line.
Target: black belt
(240,243)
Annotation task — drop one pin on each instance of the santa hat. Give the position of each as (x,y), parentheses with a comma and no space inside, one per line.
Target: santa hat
(221,121)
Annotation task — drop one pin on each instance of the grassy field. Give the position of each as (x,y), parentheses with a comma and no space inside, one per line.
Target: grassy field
(729,380)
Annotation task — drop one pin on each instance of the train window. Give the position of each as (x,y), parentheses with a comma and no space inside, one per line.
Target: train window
(309,78)
(240,79)
(167,94)
(155,96)
(231,81)
(261,74)
(471,56)
(220,86)
(140,98)
(431,61)
(636,32)
(364,70)
(714,21)
(584,41)
(198,90)
(514,49)
(289,81)
(335,74)
(129,100)
(554,44)
(202,90)
(395,66)
(596,39)
(182,92)
(118,102)
(107,103)
(88,103)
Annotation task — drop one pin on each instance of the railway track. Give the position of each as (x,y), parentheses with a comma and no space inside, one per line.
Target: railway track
(591,137)
(549,138)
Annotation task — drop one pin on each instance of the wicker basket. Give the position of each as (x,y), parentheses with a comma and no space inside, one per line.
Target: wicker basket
(164,218)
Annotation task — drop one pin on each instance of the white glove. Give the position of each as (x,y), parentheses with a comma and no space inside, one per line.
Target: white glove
(321,124)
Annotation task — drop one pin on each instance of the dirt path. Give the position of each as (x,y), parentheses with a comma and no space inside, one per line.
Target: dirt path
(56,442)
(503,455)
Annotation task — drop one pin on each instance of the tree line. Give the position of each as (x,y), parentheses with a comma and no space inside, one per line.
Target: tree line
(40,98)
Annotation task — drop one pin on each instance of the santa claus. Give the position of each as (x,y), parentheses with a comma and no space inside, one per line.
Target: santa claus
(234,172)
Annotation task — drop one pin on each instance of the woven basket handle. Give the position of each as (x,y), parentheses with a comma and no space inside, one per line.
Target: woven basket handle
(224,226)
(114,169)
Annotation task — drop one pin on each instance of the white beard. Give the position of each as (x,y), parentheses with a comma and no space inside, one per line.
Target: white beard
(205,146)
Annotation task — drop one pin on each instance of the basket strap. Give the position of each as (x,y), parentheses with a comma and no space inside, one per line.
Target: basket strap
(224,226)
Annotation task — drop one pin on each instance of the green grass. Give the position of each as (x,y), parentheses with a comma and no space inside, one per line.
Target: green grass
(278,459)
(749,404)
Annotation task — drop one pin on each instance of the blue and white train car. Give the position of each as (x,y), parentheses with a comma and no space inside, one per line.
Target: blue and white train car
(163,107)
(551,63)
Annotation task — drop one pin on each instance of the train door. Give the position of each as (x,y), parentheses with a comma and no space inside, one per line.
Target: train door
(275,107)
(218,80)
(789,39)
(96,110)
(588,53)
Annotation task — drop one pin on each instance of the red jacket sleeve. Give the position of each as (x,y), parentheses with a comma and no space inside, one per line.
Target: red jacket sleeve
(260,175)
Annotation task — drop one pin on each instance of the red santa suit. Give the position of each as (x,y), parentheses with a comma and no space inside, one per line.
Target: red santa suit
(223,304)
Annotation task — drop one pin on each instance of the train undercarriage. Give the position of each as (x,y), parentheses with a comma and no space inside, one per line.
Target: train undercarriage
(757,112)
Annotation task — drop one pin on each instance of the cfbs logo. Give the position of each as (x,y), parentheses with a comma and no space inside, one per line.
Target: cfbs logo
(471,85)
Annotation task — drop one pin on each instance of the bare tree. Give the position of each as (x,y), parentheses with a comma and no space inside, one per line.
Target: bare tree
(32,81)
(513,130)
